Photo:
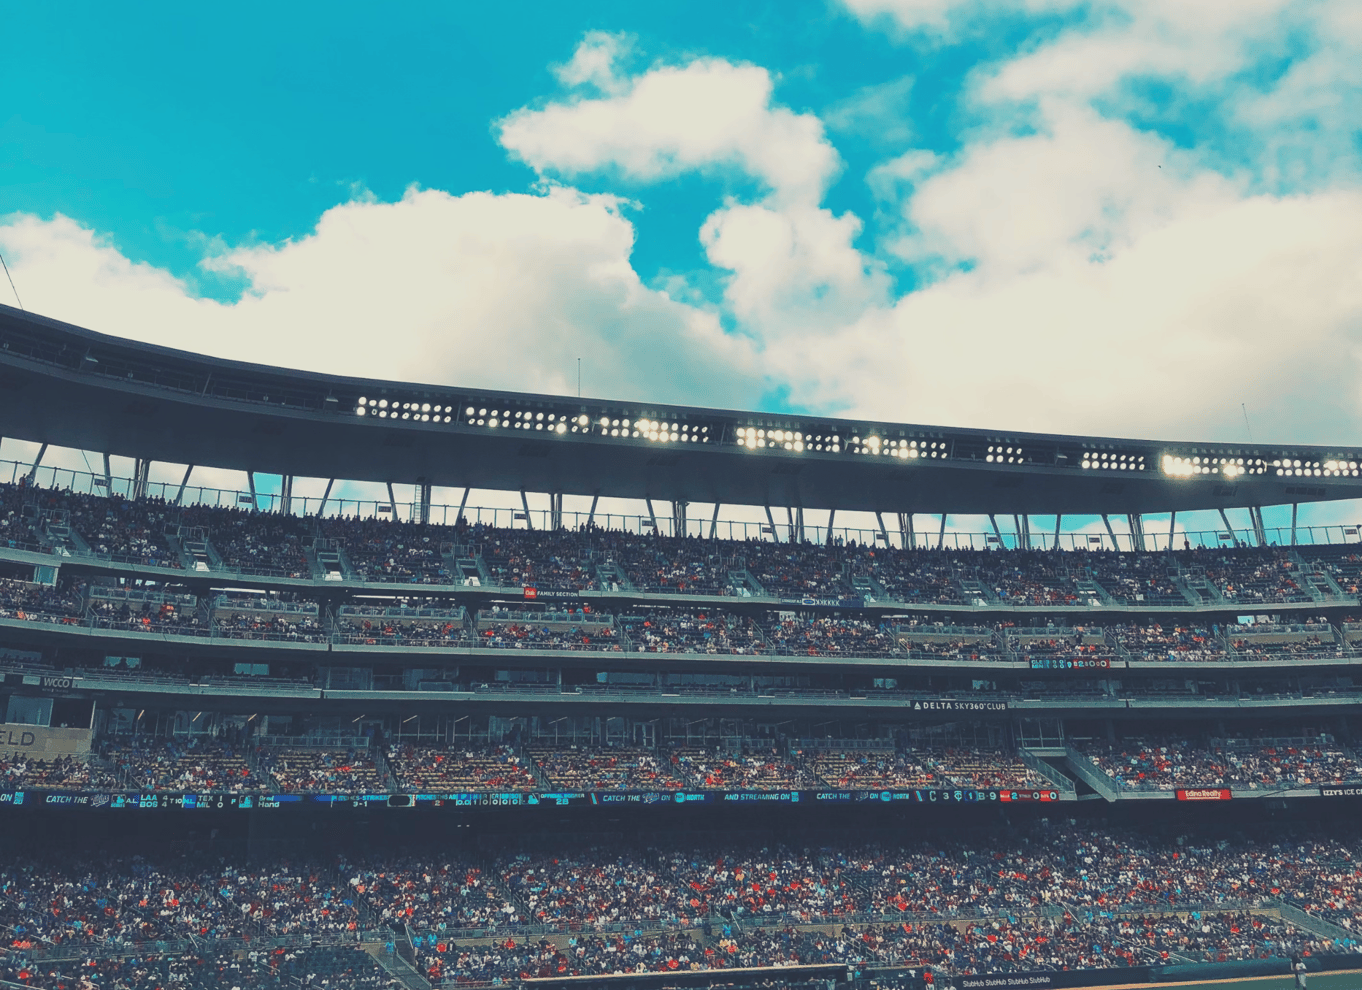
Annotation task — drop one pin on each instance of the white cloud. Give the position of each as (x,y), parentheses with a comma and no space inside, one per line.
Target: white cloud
(1083,277)
(880,112)
(794,267)
(596,61)
(1083,188)
(705,115)
(932,16)
(1253,300)
(1197,44)
(484,290)
(795,271)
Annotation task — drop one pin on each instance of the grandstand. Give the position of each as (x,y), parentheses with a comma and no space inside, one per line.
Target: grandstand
(270,739)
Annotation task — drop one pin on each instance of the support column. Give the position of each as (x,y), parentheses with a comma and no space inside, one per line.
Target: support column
(992,521)
(906,534)
(525,503)
(463,502)
(179,496)
(941,536)
(286,495)
(679,518)
(1136,530)
(255,499)
(884,533)
(591,516)
(1294,506)
(423,494)
(799,522)
(714,523)
(1110,532)
(33,471)
(652,514)
(326,496)
(392,503)
(1023,524)
(141,472)
(1058,518)
(775,537)
(556,511)
(832,517)
(1228,528)
(108,476)
(1172,528)
(1259,529)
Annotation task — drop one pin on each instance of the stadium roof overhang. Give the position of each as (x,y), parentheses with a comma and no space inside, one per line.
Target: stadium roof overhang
(71,387)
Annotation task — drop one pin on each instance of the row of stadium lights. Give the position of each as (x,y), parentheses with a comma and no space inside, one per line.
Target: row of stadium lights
(1314,469)
(646,429)
(652,430)
(1013,455)
(754,438)
(903,449)
(1114,462)
(420,412)
(1230,467)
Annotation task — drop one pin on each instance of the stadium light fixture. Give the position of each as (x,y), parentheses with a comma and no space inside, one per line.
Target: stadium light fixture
(1094,460)
(1176,466)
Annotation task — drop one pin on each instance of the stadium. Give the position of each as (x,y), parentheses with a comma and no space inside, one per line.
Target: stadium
(264,740)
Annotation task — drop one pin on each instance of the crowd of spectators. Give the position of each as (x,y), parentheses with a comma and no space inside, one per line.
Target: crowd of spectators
(1041,897)
(125,529)
(460,768)
(392,552)
(78,773)
(309,968)
(1314,639)
(255,542)
(750,770)
(428,893)
(1171,764)
(872,770)
(829,636)
(296,627)
(710,631)
(192,764)
(609,768)
(26,601)
(947,768)
(1246,576)
(393,631)
(598,887)
(524,635)
(1027,577)
(1172,641)
(324,771)
(557,561)
(146,616)
(384,550)
(1131,578)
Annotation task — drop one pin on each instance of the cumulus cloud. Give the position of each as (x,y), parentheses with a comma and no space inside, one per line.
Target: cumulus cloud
(704,115)
(1089,290)
(793,264)
(502,291)
(1277,79)
(1084,275)
(596,62)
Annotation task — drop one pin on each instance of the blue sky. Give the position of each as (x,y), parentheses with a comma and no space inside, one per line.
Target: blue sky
(158,127)
(1107,216)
